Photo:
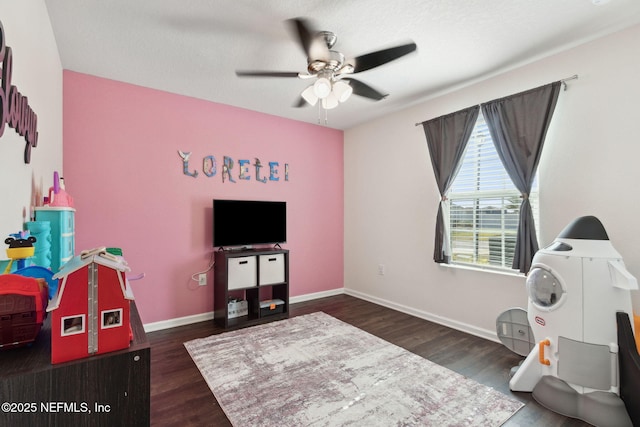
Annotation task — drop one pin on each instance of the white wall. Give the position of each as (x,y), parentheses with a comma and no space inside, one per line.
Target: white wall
(37,73)
(589,166)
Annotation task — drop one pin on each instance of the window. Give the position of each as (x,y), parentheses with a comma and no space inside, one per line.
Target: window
(72,325)
(111,318)
(484,206)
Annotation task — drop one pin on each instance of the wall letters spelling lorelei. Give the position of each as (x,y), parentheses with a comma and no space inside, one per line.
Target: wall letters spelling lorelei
(210,169)
(14,107)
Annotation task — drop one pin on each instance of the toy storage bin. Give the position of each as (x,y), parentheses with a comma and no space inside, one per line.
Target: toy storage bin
(237,308)
(271,269)
(271,306)
(242,272)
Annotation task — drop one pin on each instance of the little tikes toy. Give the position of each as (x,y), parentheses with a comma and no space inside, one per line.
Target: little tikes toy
(576,287)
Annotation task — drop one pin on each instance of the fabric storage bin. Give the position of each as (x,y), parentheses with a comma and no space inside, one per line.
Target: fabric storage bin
(271,269)
(242,272)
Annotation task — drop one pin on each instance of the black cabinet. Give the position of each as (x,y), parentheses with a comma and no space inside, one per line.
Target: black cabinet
(258,279)
(104,390)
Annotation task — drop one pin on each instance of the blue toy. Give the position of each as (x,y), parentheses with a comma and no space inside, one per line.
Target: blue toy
(20,248)
(38,272)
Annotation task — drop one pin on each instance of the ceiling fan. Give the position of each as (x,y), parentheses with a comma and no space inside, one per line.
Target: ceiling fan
(330,69)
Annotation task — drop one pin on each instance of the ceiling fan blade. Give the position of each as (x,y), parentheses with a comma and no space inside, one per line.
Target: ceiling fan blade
(300,28)
(363,89)
(313,44)
(267,73)
(380,57)
(300,103)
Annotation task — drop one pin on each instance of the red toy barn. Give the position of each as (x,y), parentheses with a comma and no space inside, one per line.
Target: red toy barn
(90,311)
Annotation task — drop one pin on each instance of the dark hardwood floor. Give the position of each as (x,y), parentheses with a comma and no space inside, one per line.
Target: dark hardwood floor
(180,396)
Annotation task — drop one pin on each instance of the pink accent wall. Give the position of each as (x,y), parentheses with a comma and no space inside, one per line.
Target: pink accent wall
(122,167)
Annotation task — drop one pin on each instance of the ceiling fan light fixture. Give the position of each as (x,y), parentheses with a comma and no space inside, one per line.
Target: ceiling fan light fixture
(330,102)
(322,87)
(309,95)
(342,90)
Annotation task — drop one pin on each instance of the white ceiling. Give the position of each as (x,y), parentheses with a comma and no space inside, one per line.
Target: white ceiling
(193,47)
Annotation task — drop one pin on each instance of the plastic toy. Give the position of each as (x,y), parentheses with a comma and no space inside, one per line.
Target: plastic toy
(41,230)
(20,248)
(90,310)
(576,286)
(57,194)
(38,272)
(22,307)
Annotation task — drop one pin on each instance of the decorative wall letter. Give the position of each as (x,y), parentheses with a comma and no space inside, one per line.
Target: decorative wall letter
(185,164)
(244,169)
(258,165)
(273,171)
(226,169)
(14,107)
(209,166)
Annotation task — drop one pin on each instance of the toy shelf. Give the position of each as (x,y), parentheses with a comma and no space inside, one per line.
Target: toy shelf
(260,277)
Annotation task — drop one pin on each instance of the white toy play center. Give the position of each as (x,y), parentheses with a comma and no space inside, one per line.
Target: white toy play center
(576,287)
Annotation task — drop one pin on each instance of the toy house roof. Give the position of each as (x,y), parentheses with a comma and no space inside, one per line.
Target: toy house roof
(97,256)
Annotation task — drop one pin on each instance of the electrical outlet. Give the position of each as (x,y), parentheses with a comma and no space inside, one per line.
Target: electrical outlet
(381,269)
(202,279)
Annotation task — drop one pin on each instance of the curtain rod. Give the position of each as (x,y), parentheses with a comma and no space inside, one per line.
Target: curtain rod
(562,81)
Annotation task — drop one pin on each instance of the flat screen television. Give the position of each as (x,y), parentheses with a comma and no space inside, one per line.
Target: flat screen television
(248,222)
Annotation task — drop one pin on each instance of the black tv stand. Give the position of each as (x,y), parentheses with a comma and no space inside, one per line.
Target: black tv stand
(255,276)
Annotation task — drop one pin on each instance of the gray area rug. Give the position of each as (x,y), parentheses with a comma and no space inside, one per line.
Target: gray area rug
(315,370)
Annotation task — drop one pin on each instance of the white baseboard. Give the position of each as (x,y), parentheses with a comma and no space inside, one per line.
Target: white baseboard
(203,317)
(179,321)
(450,323)
(464,327)
(316,295)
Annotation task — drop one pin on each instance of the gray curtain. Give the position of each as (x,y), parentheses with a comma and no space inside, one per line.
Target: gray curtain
(447,138)
(518,125)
